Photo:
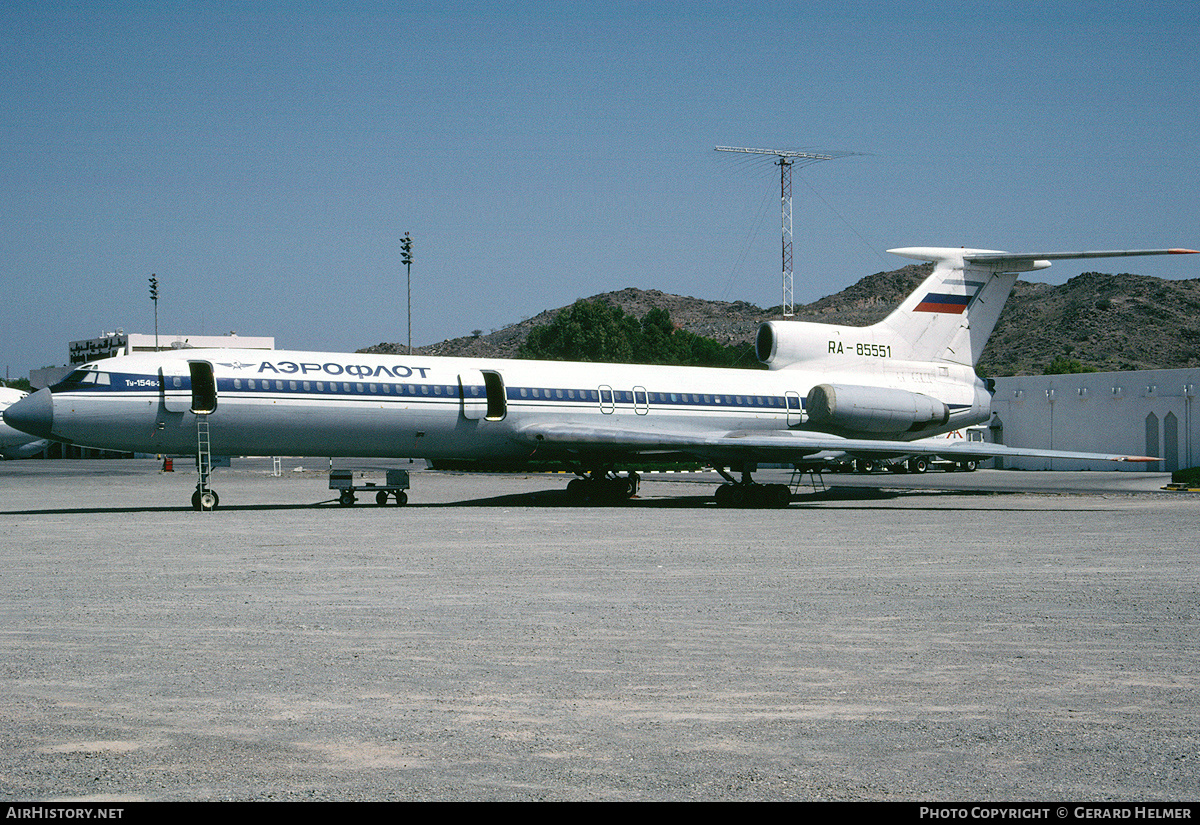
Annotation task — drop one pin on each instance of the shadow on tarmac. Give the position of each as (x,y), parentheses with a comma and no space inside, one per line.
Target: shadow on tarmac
(863,496)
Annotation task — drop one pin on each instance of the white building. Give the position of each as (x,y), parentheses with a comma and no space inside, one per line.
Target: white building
(1149,412)
(112,344)
(122,343)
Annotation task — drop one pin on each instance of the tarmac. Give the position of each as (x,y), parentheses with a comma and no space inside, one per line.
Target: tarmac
(992,636)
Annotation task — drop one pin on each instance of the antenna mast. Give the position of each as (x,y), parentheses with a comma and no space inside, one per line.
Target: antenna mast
(786,160)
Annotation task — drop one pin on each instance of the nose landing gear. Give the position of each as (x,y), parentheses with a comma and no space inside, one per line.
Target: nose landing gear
(205,499)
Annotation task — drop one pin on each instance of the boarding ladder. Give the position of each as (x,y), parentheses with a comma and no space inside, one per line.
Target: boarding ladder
(203,463)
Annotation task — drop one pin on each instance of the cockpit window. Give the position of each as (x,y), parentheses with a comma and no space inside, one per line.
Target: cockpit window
(84,375)
(87,375)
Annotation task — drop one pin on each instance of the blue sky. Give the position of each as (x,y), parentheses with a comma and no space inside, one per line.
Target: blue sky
(263,159)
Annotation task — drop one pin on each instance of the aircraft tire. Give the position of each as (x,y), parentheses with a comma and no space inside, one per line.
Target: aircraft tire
(614,489)
(728,495)
(208,500)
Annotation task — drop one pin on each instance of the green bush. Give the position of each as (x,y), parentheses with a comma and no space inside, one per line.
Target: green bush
(1189,476)
(596,331)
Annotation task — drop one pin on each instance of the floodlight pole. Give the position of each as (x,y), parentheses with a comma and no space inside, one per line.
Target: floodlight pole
(407,259)
(786,160)
(154,298)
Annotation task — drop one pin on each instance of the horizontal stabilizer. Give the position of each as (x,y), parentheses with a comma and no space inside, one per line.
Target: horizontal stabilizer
(1065,256)
(1020,261)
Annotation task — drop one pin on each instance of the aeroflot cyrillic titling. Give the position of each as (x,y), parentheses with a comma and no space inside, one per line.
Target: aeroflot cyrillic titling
(332,368)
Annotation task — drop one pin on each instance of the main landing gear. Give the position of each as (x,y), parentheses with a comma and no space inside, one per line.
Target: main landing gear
(749,493)
(604,485)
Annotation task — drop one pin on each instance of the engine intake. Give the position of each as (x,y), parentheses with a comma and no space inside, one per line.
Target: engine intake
(873,409)
(783,343)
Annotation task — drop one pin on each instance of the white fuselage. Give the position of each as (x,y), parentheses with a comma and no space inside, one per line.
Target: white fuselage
(337,404)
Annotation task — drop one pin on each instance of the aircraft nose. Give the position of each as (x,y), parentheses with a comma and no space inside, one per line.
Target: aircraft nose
(33,414)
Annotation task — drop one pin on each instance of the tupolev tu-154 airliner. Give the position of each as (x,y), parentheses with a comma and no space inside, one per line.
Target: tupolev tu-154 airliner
(873,392)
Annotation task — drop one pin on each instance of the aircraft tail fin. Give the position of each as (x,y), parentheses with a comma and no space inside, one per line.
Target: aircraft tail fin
(952,313)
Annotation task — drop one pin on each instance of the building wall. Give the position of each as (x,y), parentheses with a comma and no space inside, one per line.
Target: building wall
(140,342)
(1150,412)
(122,343)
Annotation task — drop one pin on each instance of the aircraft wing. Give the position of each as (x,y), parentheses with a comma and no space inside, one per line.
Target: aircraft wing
(772,445)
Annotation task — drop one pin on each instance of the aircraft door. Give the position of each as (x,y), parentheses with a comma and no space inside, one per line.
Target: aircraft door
(204,387)
(497,396)
(473,393)
(483,395)
(174,386)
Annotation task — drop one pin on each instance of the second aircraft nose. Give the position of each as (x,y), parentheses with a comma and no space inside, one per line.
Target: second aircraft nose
(33,414)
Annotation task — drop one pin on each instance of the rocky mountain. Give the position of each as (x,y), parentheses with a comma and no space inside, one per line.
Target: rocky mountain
(1107,322)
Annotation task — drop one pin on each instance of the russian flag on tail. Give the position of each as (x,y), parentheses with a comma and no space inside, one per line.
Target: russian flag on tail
(939,302)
